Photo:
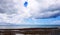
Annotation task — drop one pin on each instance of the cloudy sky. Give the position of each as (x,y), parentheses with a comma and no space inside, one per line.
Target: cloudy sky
(30,12)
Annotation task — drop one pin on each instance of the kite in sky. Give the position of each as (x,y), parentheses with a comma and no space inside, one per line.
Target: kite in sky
(25,4)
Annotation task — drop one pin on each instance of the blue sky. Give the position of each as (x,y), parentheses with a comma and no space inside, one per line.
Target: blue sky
(30,12)
(53,19)
(49,21)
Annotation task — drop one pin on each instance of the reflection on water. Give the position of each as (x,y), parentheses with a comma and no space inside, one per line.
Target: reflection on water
(27,26)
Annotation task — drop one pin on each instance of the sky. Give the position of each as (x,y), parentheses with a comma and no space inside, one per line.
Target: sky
(30,12)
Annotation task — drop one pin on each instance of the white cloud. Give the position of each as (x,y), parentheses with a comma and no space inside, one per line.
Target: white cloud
(13,11)
(45,8)
(56,22)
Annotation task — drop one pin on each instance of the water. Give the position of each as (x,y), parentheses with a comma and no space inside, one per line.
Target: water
(26,26)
